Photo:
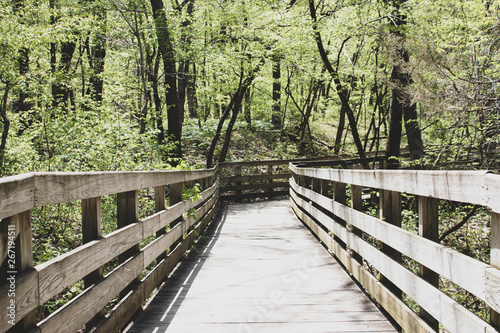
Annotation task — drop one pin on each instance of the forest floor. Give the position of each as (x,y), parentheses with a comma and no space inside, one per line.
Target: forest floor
(252,143)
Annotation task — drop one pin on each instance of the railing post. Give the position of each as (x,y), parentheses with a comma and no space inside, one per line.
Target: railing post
(159,206)
(428,216)
(23,259)
(495,258)
(270,172)
(91,230)
(237,173)
(128,213)
(175,197)
(339,195)
(357,204)
(325,186)
(390,212)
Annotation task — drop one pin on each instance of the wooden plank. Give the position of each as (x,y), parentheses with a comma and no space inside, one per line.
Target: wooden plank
(462,186)
(64,270)
(492,191)
(57,187)
(342,157)
(17,194)
(8,229)
(450,314)
(73,315)
(255,186)
(232,197)
(459,268)
(91,230)
(272,254)
(24,295)
(237,175)
(24,260)
(357,204)
(403,315)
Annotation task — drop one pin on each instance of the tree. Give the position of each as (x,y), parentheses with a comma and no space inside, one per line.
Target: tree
(234,107)
(401,100)
(166,49)
(341,90)
(95,46)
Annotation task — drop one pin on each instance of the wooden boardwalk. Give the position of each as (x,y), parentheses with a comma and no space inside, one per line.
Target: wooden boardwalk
(259,270)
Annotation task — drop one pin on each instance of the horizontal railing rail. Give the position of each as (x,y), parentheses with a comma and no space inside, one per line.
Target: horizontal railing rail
(146,250)
(319,197)
(269,178)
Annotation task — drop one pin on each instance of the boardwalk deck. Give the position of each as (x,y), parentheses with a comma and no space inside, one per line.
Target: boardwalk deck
(259,270)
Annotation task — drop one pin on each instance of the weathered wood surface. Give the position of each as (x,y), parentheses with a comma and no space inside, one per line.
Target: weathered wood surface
(476,187)
(260,270)
(453,316)
(24,192)
(403,315)
(459,268)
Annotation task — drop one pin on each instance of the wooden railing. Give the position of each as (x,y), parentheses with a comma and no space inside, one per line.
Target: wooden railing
(29,287)
(269,178)
(319,198)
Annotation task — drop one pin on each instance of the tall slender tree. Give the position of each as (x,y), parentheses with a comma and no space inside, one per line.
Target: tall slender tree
(96,49)
(342,92)
(165,46)
(401,105)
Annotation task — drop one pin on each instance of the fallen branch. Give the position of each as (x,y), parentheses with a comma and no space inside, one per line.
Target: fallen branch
(459,225)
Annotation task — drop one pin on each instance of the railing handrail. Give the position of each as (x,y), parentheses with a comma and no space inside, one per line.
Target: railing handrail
(27,191)
(475,187)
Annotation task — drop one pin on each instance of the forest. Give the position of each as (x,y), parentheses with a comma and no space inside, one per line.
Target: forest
(138,85)
(117,85)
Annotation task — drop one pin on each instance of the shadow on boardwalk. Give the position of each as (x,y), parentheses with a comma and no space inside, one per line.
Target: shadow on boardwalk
(258,269)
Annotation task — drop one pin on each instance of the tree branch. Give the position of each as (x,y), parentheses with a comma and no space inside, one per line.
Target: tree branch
(459,225)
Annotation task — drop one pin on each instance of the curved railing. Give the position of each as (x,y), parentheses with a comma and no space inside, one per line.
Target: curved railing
(29,287)
(319,198)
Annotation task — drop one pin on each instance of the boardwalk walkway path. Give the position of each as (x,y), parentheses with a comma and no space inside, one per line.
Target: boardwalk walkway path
(259,270)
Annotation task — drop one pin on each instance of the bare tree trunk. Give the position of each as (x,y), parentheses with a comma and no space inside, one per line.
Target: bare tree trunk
(60,91)
(166,49)
(234,106)
(401,104)
(192,101)
(6,125)
(276,114)
(96,51)
(341,91)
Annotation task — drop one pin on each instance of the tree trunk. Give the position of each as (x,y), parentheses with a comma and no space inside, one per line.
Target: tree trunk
(340,130)
(165,46)
(6,125)
(401,104)
(192,101)
(276,115)
(234,105)
(341,91)
(153,79)
(60,90)
(236,108)
(20,105)
(96,52)
(246,107)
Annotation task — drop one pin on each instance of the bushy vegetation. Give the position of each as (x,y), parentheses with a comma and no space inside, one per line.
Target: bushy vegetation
(84,86)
